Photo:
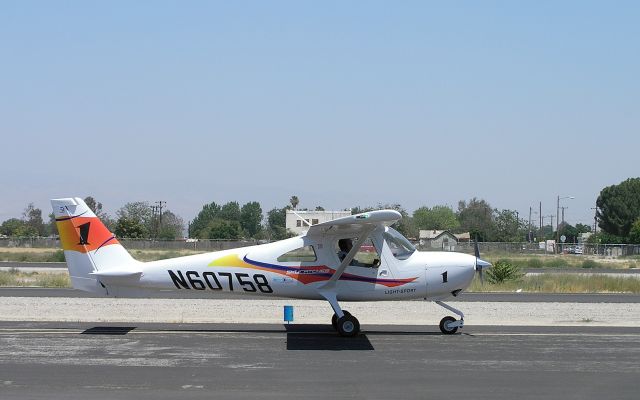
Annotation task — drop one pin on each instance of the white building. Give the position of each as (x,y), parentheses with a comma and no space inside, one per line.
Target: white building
(296,225)
(442,240)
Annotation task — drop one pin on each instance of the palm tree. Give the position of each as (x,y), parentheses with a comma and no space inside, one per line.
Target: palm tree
(294,201)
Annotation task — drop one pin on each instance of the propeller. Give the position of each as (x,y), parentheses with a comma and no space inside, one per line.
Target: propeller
(480,263)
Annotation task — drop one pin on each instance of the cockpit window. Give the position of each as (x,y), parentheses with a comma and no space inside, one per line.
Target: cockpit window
(401,248)
(301,254)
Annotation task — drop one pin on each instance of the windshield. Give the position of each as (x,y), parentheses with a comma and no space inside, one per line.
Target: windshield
(400,247)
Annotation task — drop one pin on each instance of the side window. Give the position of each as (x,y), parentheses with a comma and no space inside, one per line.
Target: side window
(367,256)
(301,254)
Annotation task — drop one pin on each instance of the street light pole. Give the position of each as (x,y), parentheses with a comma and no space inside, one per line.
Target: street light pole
(558,217)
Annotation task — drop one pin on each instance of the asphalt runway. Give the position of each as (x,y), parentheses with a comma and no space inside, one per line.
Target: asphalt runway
(160,361)
(488,297)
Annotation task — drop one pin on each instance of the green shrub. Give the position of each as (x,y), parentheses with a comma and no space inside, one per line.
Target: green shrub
(7,278)
(502,271)
(591,264)
(535,263)
(58,256)
(555,263)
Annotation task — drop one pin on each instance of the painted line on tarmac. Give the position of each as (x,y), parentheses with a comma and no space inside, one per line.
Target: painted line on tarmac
(64,331)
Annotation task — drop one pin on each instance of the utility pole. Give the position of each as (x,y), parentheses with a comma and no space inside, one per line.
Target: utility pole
(541,220)
(154,210)
(557,219)
(595,220)
(558,216)
(159,206)
(529,224)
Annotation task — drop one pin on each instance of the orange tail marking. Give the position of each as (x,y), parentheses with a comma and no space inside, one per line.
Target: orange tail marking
(84,234)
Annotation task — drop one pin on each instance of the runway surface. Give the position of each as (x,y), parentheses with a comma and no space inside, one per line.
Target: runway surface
(489,297)
(154,361)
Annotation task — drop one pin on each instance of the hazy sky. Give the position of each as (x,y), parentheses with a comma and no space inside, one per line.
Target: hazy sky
(341,103)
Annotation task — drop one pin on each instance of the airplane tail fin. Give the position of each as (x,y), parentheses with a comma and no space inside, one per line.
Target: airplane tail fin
(91,250)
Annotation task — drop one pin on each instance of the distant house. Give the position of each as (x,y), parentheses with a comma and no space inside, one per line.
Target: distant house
(297,225)
(442,239)
(464,237)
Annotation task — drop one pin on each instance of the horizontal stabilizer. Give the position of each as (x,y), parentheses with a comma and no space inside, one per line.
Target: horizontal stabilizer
(117,276)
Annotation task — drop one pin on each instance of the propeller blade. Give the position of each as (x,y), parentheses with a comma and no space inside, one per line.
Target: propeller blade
(480,264)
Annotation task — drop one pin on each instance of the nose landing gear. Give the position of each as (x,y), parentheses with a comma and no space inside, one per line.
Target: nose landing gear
(449,325)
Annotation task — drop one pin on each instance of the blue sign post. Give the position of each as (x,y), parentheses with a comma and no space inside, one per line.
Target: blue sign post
(288,314)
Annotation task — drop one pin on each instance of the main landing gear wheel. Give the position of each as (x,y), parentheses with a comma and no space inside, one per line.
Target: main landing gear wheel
(348,325)
(444,325)
(334,319)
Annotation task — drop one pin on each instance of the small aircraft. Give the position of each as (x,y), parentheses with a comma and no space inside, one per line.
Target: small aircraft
(355,258)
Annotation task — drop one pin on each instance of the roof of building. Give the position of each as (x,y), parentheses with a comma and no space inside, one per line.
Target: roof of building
(434,234)
(463,236)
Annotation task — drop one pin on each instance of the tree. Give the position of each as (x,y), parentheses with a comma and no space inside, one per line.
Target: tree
(634,232)
(223,229)
(603,237)
(618,207)
(508,227)
(476,217)
(127,227)
(50,228)
(171,226)
(276,223)
(251,218)
(230,211)
(294,201)
(12,227)
(134,219)
(583,228)
(436,218)
(570,232)
(208,213)
(32,218)
(319,208)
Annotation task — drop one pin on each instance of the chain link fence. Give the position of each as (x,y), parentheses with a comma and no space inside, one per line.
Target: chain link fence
(605,250)
(205,245)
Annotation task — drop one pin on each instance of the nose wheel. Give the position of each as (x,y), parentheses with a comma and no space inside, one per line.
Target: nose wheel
(449,325)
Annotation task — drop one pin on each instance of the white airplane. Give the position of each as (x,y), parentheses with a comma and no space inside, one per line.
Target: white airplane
(355,258)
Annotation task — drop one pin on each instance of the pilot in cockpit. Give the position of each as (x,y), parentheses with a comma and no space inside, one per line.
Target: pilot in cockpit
(345,246)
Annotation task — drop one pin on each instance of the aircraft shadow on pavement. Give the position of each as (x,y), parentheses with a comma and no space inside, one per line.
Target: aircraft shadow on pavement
(108,330)
(323,337)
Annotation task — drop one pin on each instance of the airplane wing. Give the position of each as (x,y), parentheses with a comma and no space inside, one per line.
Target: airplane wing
(355,223)
(361,225)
